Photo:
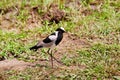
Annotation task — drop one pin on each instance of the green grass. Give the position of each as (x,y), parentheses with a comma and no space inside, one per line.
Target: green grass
(100,29)
(97,57)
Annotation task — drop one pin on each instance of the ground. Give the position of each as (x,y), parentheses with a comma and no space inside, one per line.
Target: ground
(68,40)
(89,49)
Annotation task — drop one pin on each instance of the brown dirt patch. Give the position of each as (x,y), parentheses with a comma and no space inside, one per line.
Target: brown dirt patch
(13,64)
(54,14)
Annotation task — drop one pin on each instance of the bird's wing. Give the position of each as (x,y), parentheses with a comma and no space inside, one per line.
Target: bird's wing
(47,40)
(51,38)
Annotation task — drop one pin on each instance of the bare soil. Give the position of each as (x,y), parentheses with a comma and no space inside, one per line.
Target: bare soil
(13,64)
(54,14)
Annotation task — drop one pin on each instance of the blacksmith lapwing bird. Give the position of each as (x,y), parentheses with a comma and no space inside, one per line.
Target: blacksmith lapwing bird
(50,42)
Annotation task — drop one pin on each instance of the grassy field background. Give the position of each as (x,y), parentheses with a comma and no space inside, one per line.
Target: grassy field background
(90,49)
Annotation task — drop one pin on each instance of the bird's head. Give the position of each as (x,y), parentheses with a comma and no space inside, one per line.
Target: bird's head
(61,29)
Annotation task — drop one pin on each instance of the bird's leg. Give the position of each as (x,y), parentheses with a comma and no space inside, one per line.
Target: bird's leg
(57,60)
(50,53)
(51,58)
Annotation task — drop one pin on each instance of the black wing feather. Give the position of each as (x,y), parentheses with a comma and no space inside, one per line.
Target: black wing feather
(47,40)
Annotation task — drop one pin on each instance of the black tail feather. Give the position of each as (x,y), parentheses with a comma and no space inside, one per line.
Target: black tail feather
(35,48)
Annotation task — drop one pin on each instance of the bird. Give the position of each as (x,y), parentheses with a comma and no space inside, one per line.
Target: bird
(50,42)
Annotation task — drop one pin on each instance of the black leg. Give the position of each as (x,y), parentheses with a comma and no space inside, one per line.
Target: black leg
(57,60)
(50,53)
(52,57)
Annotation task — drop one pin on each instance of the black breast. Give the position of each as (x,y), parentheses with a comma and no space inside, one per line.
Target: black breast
(59,38)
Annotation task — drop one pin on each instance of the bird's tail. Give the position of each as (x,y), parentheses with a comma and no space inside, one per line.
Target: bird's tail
(35,48)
